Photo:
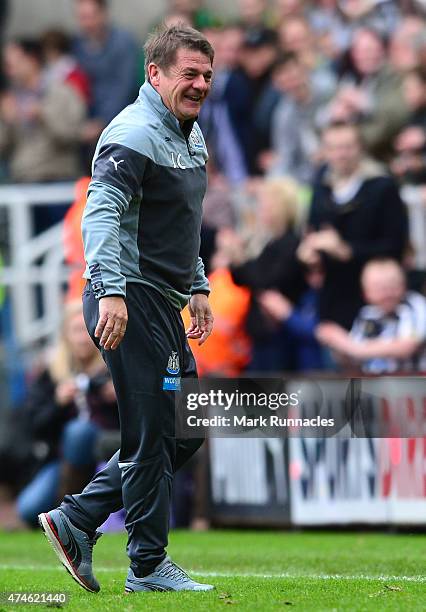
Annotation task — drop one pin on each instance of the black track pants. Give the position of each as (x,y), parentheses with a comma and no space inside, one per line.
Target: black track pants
(139,475)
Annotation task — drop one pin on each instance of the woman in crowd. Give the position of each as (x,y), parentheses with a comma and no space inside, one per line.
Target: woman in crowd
(266,260)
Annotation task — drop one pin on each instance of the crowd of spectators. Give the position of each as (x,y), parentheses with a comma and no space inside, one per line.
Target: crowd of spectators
(61,90)
(316,130)
(325,102)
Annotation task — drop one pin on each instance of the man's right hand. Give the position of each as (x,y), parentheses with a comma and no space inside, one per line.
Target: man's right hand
(112,322)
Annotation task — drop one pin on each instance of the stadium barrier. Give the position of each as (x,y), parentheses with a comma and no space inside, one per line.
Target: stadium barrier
(34,261)
(339,480)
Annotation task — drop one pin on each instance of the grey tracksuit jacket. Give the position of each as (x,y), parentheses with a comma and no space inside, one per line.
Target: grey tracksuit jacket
(142,220)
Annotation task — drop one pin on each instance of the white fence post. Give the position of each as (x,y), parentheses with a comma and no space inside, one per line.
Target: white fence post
(23,274)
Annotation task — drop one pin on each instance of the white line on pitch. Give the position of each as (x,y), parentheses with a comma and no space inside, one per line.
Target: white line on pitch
(381,578)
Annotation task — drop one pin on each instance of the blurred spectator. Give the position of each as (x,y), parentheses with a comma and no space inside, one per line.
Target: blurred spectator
(60,65)
(245,201)
(266,260)
(225,148)
(69,404)
(175,18)
(109,56)
(406,44)
(356,214)
(193,12)
(253,14)
(73,241)
(389,333)
(229,350)
(336,21)
(4,12)
(218,210)
(330,25)
(293,133)
(296,36)
(286,9)
(410,145)
(37,142)
(247,92)
(381,15)
(300,321)
(370,94)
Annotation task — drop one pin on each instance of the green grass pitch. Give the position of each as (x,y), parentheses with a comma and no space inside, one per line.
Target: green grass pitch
(251,571)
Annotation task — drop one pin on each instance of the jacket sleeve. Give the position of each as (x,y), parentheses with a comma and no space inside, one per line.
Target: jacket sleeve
(393,223)
(117,177)
(390,114)
(201,283)
(248,274)
(301,327)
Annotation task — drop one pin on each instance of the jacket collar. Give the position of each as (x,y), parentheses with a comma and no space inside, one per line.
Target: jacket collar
(150,96)
(367,169)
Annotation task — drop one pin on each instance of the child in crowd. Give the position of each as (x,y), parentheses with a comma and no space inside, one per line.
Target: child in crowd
(389,333)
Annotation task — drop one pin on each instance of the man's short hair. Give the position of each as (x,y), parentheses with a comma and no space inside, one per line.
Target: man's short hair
(163,44)
(343,125)
(256,38)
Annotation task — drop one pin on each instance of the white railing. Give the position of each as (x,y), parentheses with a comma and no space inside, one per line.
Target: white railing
(23,272)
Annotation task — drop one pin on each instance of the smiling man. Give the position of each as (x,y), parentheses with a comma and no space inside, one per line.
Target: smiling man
(141,230)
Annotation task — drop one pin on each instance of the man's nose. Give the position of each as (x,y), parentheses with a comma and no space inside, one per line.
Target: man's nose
(200,83)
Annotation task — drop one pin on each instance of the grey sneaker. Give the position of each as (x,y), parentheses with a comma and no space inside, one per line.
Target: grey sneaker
(167,576)
(72,546)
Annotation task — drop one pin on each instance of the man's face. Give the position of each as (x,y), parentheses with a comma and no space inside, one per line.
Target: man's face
(290,78)
(295,36)
(367,53)
(256,61)
(90,17)
(229,47)
(342,149)
(185,85)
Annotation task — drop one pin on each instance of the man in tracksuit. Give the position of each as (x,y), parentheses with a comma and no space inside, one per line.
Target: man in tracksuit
(141,231)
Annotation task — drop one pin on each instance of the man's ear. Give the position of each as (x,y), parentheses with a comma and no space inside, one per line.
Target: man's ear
(154,74)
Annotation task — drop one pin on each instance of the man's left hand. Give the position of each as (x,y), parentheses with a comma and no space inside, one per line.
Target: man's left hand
(201,318)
